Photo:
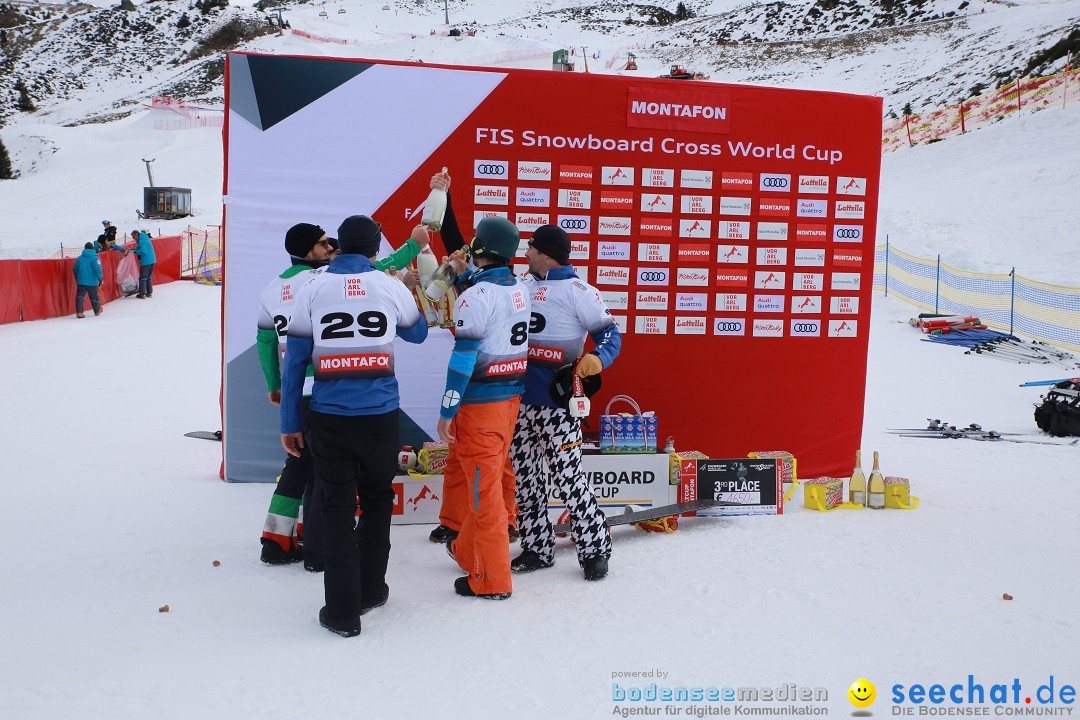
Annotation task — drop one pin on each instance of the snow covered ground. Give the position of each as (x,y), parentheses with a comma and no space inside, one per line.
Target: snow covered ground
(114,513)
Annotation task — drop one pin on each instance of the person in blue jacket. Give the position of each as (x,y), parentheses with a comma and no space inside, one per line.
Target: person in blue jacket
(88,277)
(145,250)
(344,322)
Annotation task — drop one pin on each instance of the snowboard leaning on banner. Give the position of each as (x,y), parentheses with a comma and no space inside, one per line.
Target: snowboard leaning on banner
(653,513)
(744,486)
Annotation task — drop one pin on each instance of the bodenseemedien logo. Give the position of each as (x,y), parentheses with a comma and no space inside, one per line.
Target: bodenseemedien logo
(700,701)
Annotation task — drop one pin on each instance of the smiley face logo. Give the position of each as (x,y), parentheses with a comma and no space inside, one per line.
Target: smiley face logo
(862,693)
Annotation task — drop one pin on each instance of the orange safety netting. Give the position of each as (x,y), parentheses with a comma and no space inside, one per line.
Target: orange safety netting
(1023,94)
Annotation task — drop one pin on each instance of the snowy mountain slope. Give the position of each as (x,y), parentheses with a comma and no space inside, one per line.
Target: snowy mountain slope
(926,52)
(930,64)
(110,59)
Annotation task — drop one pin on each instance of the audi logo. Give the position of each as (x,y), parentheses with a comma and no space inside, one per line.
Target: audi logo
(774,182)
(573,224)
(848,233)
(728,326)
(804,327)
(652,276)
(491,169)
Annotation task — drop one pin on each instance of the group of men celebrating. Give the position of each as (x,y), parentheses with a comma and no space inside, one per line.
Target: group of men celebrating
(339,406)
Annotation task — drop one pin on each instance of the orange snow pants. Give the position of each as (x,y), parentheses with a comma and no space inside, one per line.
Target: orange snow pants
(455,493)
(481,453)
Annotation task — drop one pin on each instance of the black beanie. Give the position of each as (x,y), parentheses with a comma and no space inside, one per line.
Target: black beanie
(553,242)
(301,238)
(359,235)
(88,246)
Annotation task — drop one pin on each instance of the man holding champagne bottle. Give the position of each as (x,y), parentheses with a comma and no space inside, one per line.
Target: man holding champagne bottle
(480,405)
(439,212)
(547,439)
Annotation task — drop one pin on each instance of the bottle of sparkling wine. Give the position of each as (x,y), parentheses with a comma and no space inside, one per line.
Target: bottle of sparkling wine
(434,208)
(857,485)
(875,496)
(441,280)
(426,264)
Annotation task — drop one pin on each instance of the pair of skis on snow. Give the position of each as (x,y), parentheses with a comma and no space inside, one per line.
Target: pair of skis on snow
(938,429)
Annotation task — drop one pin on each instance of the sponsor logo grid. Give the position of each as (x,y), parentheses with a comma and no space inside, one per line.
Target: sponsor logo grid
(768,228)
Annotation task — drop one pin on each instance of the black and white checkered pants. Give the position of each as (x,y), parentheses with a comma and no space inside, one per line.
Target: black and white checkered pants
(547,449)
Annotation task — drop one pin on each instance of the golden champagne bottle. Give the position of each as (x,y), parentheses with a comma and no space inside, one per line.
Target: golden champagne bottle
(875,497)
(857,485)
(435,208)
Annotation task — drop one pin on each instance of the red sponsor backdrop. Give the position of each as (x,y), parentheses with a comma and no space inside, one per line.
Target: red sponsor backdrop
(40,289)
(745,219)
(712,217)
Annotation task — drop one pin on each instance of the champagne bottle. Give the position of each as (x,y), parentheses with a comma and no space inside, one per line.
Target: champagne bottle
(426,264)
(441,280)
(875,497)
(434,208)
(857,485)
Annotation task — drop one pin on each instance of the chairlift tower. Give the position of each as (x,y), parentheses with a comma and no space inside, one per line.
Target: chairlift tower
(149,172)
(164,202)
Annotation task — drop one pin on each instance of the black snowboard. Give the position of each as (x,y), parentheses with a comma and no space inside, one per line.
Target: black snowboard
(653,513)
(205,435)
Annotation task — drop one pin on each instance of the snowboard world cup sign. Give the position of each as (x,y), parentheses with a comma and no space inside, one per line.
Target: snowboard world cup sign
(729,228)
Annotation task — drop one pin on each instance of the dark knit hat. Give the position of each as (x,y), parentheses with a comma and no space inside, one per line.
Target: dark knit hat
(359,235)
(88,246)
(553,242)
(301,238)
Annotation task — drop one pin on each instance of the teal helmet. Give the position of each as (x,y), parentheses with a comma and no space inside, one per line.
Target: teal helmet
(496,238)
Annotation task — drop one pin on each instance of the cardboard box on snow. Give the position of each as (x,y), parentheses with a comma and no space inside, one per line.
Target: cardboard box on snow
(823,493)
(417,500)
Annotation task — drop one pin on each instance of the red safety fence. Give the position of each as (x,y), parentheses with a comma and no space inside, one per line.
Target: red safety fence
(39,289)
(1023,94)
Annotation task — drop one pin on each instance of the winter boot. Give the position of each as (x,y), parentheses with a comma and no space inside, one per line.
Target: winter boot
(378,602)
(528,561)
(461,587)
(272,554)
(346,628)
(595,567)
(442,534)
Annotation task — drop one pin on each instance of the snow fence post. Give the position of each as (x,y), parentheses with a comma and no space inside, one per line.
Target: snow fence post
(1065,85)
(937,286)
(886,264)
(1012,298)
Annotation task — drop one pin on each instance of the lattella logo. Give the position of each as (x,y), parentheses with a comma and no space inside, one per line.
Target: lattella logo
(690,325)
(612,275)
(811,184)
